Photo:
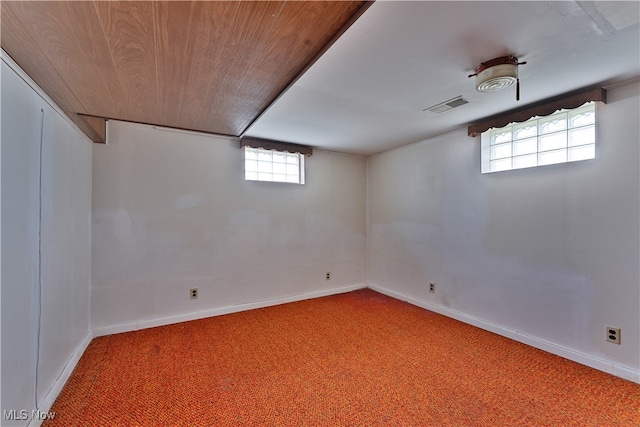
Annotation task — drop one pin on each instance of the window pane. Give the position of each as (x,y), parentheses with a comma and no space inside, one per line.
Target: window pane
(501,136)
(250,154)
(551,157)
(553,141)
(293,169)
(500,165)
(251,165)
(582,117)
(279,168)
(501,151)
(264,176)
(251,176)
(581,136)
(292,158)
(279,157)
(265,167)
(525,161)
(526,146)
(264,156)
(525,130)
(582,153)
(553,123)
(279,177)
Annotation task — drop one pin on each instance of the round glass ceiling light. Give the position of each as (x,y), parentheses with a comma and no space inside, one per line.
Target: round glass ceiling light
(496,78)
(497,74)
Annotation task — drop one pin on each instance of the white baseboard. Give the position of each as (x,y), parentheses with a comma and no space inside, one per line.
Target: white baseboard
(576,356)
(56,388)
(168,320)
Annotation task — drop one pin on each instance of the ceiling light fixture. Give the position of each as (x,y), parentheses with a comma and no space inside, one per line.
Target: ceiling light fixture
(498,74)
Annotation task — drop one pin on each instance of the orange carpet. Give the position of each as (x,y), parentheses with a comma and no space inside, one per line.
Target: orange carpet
(356,359)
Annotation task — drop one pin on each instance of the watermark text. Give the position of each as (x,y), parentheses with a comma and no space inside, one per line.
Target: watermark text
(23,414)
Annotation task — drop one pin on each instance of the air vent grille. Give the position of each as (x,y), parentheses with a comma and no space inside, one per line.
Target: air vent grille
(447,105)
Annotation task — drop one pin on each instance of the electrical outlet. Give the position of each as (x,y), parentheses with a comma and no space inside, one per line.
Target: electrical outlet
(432,287)
(613,334)
(193,292)
(328,276)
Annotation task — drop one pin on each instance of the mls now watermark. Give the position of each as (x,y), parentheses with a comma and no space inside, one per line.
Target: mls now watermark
(23,414)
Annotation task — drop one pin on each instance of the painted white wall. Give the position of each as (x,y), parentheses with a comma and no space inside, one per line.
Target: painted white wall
(172,211)
(551,253)
(57,214)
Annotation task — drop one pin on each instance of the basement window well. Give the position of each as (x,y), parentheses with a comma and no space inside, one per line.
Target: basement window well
(271,165)
(568,135)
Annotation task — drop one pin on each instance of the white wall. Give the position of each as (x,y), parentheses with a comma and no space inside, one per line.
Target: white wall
(547,255)
(172,211)
(46,242)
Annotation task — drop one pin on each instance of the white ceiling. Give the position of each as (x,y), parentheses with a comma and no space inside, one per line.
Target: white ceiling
(367,93)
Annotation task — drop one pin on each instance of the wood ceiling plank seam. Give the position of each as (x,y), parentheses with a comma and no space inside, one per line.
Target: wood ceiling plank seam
(155,57)
(223,109)
(228,27)
(300,39)
(172,80)
(128,31)
(248,28)
(241,26)
(110,89)
(65,33)
(244,26)
(237,37)
(106,41)
(187,101)
(246,108)
(361,9)
(102,93)
(264,39)
(213,46)
(22,48)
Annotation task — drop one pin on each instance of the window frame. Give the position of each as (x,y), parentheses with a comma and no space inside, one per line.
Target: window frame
(489,146)
(261,175)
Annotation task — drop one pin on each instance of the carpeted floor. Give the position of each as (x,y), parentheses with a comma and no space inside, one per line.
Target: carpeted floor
(355,359)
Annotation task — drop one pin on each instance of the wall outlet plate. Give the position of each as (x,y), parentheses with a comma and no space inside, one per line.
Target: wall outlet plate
(328,276)
(432,287)
(613,334)
(193,293)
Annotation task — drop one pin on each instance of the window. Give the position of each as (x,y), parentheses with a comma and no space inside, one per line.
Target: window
(273,165)
(564,136)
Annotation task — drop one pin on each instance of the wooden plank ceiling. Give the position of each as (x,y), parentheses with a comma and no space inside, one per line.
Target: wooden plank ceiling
(211,66)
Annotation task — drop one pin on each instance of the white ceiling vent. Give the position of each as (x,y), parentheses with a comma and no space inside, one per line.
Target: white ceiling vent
(447,105)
